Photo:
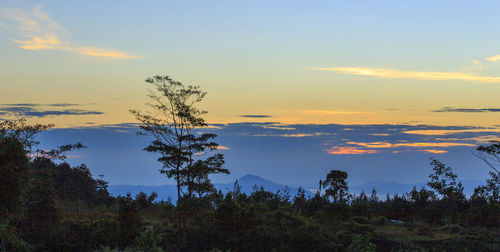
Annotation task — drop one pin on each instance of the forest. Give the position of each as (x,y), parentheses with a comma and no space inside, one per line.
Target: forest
(49,205)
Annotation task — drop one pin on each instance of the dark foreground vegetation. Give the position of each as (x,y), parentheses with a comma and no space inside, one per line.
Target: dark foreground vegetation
(47,205)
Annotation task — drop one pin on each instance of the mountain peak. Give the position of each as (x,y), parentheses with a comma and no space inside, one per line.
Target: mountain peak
(253,179)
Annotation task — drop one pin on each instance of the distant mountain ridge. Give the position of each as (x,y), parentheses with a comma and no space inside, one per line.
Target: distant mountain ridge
(250,182)
(247,183)
(393,187)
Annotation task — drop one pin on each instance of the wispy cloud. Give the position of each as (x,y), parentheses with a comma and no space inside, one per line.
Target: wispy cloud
(328,112)
(30,110)
(41,32)
(439,132)
(467,110)
(417,75)
(431,144)
(373,144)
(202,153)
(435,151)
(493,58)
(370,147)
(480,139)
(42,43)
(340,150)
(39,104)
(278,127)
(415,144)
(293,135)
(96,52)
(256,116)
(478,64)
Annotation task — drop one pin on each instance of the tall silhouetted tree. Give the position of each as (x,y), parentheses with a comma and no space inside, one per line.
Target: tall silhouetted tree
(181,150)
(172,129)
(335,185)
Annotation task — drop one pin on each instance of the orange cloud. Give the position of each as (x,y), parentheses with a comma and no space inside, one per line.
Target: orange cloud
(349,151)
(436,151)
(38,43)
(296,135)
(447,132)
(480,139)
(94,52)
(430,144)
(417,144)
(220,147)
(373,144)
(397,74)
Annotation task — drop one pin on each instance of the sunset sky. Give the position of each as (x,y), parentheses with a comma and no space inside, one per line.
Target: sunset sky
(429,69)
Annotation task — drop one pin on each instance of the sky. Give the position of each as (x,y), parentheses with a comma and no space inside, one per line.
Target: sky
(429,66)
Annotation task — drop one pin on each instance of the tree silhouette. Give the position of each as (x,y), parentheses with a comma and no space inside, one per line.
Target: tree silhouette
(336,185)
(444,181)
(172,129)
(16,142)
(196,173)
(180,149)
(490,154)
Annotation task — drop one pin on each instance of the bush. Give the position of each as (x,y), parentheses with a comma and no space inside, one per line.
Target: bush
(378,220)
(361,243)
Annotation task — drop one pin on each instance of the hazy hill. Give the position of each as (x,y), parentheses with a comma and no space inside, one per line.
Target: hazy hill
(247,184)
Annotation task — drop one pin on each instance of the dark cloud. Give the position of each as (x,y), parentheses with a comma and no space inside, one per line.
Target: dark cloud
(467,110)
(62,104)
(30,111)
(21,104)
(39,104)
(256,116)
